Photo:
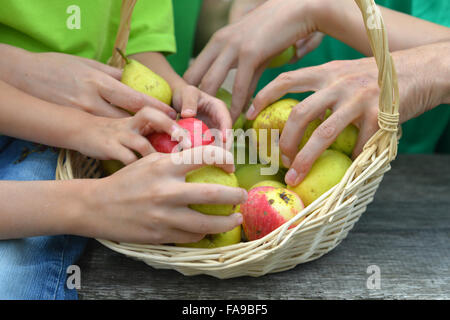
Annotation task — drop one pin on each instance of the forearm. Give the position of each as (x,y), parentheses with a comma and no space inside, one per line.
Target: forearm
(33,208)
(159,64)
(343,20)
(26,117)
(11,58)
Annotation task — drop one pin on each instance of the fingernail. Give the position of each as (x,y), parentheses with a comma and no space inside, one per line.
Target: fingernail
(251,112)
(286,161)
(239,217)
(173,114)
(291,176)
(188,113)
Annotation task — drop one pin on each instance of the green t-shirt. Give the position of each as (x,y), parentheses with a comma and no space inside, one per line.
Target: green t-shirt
(425,134)
(84,27)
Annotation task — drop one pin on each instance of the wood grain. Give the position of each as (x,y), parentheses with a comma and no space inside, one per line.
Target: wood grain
(405,232)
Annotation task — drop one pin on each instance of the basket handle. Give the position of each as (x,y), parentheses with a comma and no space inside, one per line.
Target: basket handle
(123,33)
(388,116)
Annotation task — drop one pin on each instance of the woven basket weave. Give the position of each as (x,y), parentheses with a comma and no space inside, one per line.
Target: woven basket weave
(327,220)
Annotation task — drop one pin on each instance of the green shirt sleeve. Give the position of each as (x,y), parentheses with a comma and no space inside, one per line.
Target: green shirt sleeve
(152,27)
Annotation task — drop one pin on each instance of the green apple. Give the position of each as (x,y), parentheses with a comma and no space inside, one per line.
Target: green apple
(325,173)
(282,58)
(346,140)
(211,174)
(111,166)
(216,240)
(268,183)
(250,174)
(308,132)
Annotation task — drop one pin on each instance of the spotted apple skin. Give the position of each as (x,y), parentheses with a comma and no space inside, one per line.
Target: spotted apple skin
(266,209)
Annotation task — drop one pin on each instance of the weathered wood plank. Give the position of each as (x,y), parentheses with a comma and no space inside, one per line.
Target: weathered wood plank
(405,232)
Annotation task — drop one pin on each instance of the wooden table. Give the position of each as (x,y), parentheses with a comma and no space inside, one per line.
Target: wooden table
(405,232)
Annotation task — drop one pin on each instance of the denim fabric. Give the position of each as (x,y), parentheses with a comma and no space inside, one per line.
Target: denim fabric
(34,268)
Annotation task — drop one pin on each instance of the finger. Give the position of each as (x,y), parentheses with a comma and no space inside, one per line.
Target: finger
(208,193)
(148,120)
(182,162)
(190,101)
(119,94)
(139,144)
(320,140)
(367,129)
(105,109)
(123,154)
(196,222)
(301,115)
(244,76)
(218,71)
(253,85)
(217,112)
(202,63)
(303,80)
(112,71)
(181,236)
(310,43)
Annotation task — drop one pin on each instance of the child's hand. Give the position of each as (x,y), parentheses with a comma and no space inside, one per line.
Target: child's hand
(119,139)
(192,102)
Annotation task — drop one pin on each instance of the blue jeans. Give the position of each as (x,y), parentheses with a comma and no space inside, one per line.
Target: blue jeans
(36,267)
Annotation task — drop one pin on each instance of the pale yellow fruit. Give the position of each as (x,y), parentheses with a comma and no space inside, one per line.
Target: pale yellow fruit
(325,173)
(282,58)
(273,116)
(211,174)
(269,183)
(142,79)
(216,240)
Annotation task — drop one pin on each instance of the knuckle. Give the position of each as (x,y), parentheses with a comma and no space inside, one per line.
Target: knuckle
(300,111)
(327,130)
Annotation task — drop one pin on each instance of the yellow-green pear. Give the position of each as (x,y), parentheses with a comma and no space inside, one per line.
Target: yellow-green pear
(142,79)
(282,58)
(215,175)
(272,117)
(325,173)
(268,183)
(250,174)
(216,240)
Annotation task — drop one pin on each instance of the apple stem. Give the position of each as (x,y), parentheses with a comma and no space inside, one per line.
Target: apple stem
(127,61)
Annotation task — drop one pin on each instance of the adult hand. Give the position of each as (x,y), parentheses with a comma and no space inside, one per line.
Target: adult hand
(76,82)
(350,89)
(249,44)
(147,201)
(303,46)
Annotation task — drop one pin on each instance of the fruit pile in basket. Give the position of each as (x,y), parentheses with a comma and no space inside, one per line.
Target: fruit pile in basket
(270,202)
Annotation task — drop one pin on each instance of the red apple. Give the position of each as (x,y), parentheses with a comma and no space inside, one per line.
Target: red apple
(267,208)
(198,131)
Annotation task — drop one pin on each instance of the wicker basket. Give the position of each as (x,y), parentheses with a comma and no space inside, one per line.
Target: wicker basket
(328,219)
